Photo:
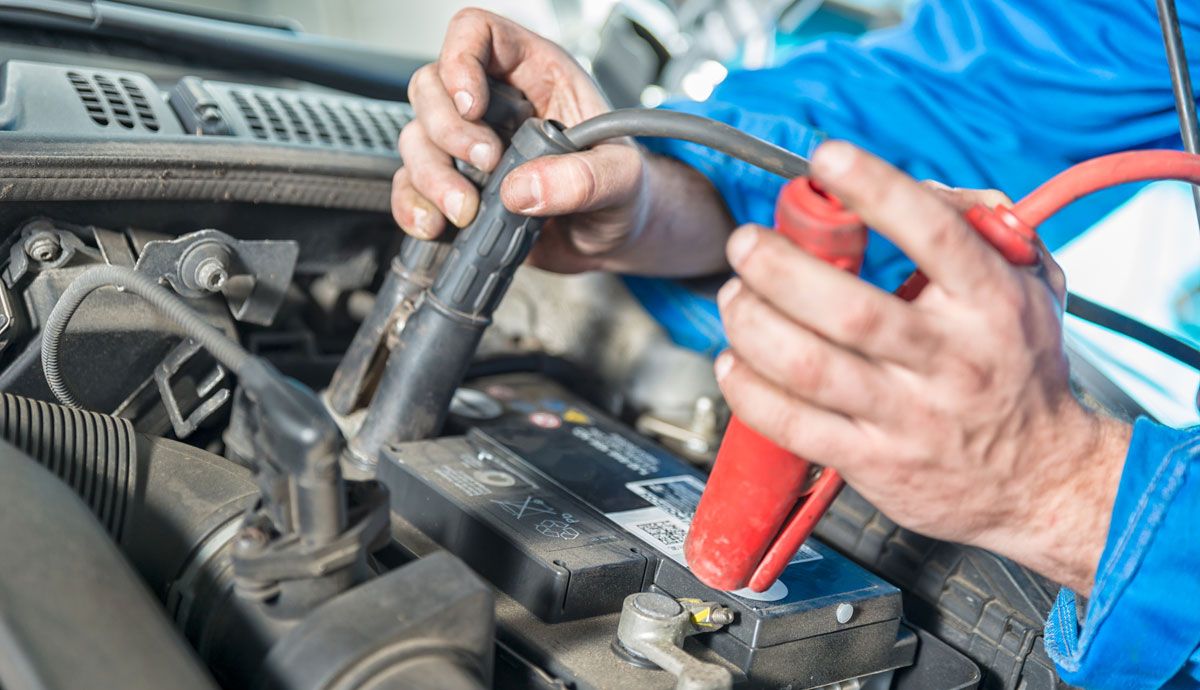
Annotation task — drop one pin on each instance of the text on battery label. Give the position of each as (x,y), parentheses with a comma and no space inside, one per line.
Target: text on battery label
(678,495)
(667,532)
(618,448)
(462,481)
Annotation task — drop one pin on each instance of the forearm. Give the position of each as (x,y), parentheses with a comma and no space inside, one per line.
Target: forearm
(682,230)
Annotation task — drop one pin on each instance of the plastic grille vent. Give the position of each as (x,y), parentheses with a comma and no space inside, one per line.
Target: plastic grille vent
(319,126)
(359,127)
(116,101)
(339,125)
(89,97)
(326,121)
(253,120)
(298,124)
(273,118)
(141,106)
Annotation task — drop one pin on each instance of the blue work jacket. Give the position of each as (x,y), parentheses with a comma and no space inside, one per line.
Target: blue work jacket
(997,94)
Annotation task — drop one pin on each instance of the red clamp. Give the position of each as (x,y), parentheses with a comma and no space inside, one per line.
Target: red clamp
(761,501)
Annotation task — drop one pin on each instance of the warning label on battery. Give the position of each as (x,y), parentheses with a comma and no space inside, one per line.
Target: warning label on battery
(664,525)
(618,448)
(677,495)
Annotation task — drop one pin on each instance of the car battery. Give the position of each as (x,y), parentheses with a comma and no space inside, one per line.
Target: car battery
(568,511)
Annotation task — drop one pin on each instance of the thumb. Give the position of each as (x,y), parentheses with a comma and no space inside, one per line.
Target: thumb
(600,178)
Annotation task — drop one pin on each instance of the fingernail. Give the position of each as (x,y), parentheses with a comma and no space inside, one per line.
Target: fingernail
(740,245)
(463,101)
(833,158)
(480,156)
(422,221)
(452,203)
(525,191)
(728,291)
(723,364)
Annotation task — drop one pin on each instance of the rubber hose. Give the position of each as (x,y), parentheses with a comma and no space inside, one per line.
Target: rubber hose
(226,350)
(639,122)
(95,454)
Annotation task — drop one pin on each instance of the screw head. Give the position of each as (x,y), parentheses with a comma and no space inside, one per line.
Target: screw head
(211,274)
(43,247)
(250,539)
(844,612)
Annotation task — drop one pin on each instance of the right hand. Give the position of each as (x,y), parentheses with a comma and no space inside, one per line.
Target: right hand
(598,196)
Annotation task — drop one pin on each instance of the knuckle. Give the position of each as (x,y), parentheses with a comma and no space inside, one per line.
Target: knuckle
(807,368)
(468,15)
(414,85)
(861,322)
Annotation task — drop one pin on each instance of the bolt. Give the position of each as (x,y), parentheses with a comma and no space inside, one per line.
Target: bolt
(843,613)
(211,274)
(720,615)
(250,539)
(43,246)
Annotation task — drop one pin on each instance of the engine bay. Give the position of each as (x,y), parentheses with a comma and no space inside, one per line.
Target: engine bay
(535,539)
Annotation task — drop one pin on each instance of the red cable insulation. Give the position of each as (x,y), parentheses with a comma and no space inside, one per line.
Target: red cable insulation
(1100,173)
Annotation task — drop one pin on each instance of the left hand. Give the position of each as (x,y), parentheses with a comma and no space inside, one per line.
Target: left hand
(953,413)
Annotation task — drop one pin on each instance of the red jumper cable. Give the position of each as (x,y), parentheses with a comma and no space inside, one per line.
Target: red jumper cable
(761,501)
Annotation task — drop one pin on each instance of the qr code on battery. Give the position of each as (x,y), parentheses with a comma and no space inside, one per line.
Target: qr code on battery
(665,531)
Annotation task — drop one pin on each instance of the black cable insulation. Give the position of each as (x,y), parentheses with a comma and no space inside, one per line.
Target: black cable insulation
(640,122)
(224,349)
(1181,83)
(1112,320)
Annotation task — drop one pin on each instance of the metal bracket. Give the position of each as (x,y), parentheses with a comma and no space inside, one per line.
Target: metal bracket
(253,275)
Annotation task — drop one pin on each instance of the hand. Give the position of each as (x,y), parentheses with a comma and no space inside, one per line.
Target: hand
(615,209)
(953,413)
(602,189)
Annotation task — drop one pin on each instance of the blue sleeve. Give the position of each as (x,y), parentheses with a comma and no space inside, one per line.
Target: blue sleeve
(1142,628)
(975,93)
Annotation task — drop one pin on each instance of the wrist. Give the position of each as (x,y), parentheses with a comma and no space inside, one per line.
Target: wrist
(1061,513)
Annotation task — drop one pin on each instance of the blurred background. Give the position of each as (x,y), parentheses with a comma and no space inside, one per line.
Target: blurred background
(641,51)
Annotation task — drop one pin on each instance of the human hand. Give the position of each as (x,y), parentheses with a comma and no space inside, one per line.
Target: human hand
(952,413)
(600,194)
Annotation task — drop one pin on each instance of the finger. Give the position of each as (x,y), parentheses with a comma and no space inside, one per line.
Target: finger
(805,429)
(835,304)
(929,230)
(479,43)
(557,252)
(599,178)
(966,199)
(798,360)
(415,214)
(469,141)
(432,174)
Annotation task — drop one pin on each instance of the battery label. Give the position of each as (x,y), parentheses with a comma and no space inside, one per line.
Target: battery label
(665,524)
(678,495)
